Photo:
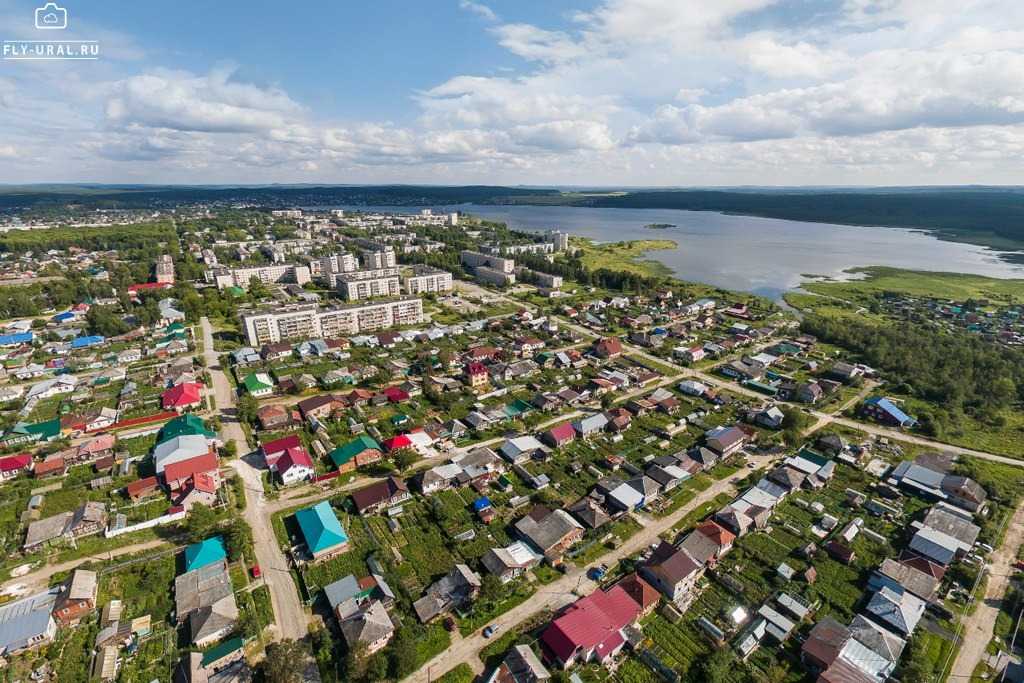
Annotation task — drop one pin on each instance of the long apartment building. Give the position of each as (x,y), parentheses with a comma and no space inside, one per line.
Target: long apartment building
(489,268)
(426,279)
(367,284)
(312,322)
(165,269)
(284,273)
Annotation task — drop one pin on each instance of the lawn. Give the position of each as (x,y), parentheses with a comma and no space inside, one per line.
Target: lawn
(957,286)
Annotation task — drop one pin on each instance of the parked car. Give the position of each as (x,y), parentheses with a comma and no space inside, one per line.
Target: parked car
(489,631)
(256,572)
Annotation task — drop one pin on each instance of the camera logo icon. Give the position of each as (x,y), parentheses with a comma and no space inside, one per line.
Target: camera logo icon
(51,16)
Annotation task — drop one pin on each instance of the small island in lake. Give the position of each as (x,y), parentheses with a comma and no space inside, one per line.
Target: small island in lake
(659,226)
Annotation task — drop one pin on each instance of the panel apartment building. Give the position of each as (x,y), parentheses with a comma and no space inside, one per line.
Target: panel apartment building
(165,269)
(488,268)
(367,284)
(426,279)
(380,258)
(283,273)
(312,322)
(328,268)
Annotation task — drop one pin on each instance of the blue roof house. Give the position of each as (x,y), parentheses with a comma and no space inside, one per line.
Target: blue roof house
(84,342)
(16,339)
(885,411)
(207,552)
(322,531)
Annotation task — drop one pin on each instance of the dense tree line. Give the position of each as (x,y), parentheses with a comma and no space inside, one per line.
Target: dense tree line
(122,238)
(958,373)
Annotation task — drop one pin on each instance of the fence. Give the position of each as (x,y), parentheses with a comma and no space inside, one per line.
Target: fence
(148,524)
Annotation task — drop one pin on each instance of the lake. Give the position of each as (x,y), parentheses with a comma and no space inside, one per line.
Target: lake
(765,256)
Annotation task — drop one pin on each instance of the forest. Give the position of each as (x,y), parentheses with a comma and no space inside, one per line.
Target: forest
(957,373)
(977,215)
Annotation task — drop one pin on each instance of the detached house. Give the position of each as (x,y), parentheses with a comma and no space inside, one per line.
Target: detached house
(550,532)
(356,453)
(673,571)
(591,629)
(375,497)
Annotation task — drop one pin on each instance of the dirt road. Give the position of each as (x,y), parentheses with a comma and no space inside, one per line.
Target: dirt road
(976,629)
(40,578)
(566,589)
(290,618)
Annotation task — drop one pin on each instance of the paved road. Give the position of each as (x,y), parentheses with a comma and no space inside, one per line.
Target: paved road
(574,584)
(976,628)
(290,618)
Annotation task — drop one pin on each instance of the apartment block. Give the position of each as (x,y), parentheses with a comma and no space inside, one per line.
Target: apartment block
(559,239)
(474,259)
(427,279)
(494,276)
(165,269)
(284,273)
(310,321)
(366,284)
(381,258)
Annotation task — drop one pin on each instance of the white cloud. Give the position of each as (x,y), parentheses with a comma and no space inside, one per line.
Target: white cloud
(212,103)
(479,9)
(627,92)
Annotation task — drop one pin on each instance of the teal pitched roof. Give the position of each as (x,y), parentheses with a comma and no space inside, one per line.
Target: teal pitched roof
(209,551)
(185,425)
(215,654)
(341,455)
(320,527)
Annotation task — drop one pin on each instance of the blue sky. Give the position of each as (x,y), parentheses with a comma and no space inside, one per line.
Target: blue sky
(610,92)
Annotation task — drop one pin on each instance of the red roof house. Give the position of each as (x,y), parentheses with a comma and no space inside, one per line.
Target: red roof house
(395,394)
(182,397)
(273,450)
(397,443)
(178,474)
(559,435)
(13,465)
(295,465)
(591,628)
(609,347)
(140,488)
(643,593)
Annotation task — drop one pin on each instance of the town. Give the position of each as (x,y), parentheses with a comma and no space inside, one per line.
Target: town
(260,443)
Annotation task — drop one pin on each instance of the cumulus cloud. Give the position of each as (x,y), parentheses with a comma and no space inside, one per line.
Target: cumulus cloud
(625,92)
(211,103)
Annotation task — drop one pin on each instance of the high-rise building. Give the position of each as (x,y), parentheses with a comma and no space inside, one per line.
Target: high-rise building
(559,239)
(309,321)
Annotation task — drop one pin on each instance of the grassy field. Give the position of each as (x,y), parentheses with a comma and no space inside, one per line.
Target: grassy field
(957,286)
(624,256)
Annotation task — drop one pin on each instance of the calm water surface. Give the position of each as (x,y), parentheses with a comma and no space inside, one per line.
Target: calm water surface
(766,256)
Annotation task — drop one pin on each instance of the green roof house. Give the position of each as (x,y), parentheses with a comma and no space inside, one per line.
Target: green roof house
(185,425)
(210,551)
(258,384)
(360,451)
(217,657)
(322,531)
(29,433)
